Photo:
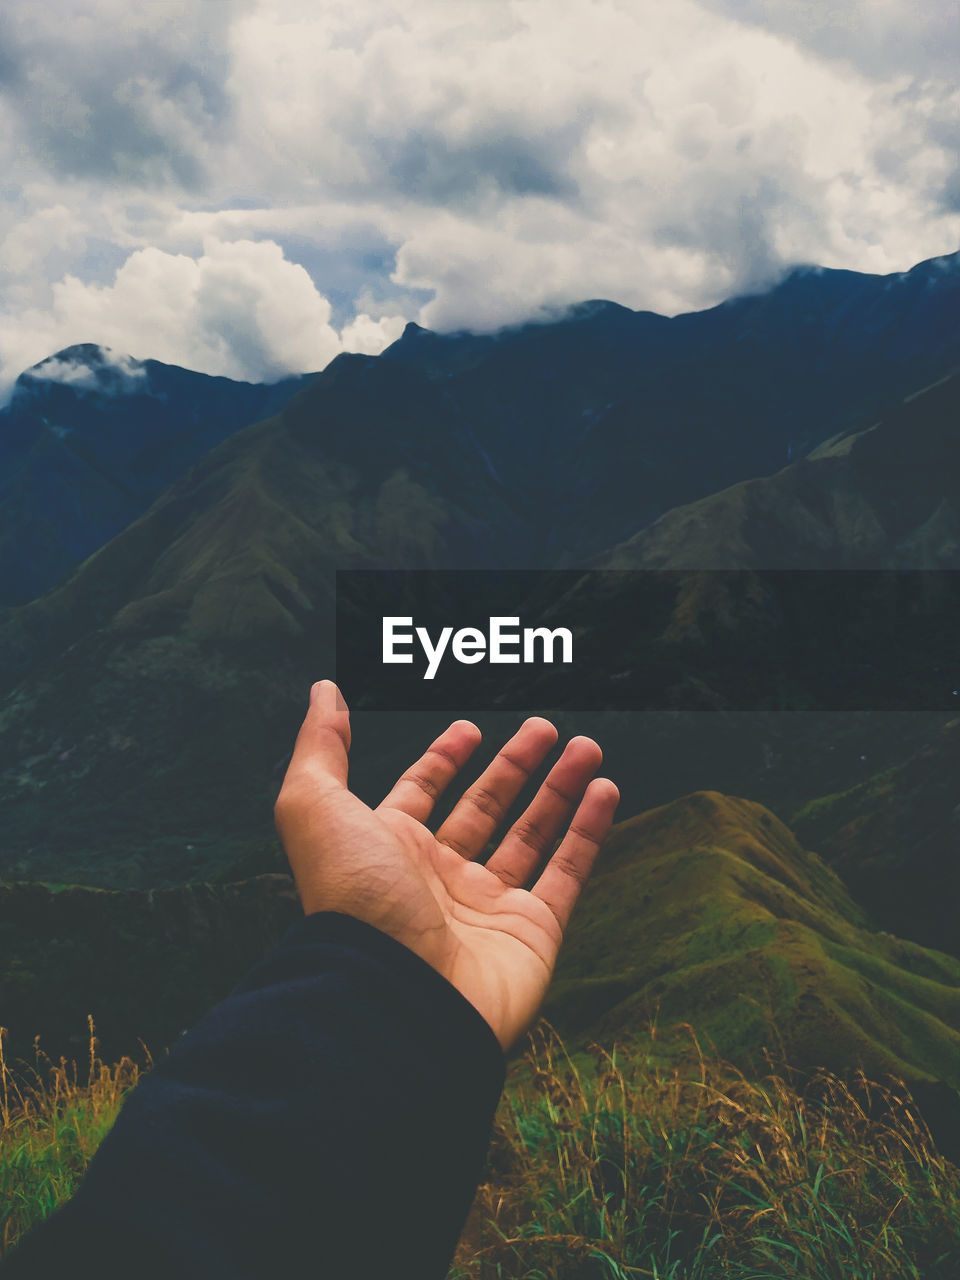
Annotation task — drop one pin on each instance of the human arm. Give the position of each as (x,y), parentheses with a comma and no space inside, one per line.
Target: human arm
(330,1117)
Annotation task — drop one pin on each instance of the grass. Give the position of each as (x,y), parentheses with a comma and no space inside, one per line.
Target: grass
(51,1123)
(701,1173)
(621,1168)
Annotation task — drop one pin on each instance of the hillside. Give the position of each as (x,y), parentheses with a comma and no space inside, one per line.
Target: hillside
(150,699)
(145,965)
(605,414)
(708,911)
(893,839)
(155,694)
(704,911)
(87,442)
(883,497)
(612,417)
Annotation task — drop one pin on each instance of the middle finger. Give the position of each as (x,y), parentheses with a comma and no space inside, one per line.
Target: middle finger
(534,833)
(483,806)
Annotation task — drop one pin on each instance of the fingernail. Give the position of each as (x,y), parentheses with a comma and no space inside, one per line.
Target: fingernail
(325,695)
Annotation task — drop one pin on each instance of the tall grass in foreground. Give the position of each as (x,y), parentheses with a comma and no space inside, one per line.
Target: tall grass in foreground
(50,1126)
(622,1171)
(640,1171)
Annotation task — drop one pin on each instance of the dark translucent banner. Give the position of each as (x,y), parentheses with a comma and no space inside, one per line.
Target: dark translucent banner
(649,640)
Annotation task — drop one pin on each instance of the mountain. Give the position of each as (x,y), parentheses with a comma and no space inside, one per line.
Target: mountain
(797,591)
(152,696)
(607,418)
(885,496)
(150,699)
(708,911)
(893,839)
(607,415)
(155,694)
(89,439)
(704,911)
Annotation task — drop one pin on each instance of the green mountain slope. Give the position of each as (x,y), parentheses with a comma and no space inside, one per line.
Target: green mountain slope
(708,911)
(154,695)
(885,496)
(894,840)
(705,911)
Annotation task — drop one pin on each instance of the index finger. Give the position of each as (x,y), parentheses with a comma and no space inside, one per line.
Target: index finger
(417,790)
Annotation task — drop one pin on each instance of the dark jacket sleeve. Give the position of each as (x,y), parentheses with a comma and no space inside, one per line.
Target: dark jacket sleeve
(329,1118)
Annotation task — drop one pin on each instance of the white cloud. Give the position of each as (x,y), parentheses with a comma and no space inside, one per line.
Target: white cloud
(30,241)
(368,337)
(240,310)
(117,374)
(278,179)
(528,154)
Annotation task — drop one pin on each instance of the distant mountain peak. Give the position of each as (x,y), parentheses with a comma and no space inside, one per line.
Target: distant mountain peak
(945,265)
(805,269)
(596,307)
(413,330)
(87,366)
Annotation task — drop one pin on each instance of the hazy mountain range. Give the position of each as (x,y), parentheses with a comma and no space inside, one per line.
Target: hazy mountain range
(89,439)
(531,447)
(592,425)
(188,530)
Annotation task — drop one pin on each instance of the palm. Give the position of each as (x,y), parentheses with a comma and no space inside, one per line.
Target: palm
(493,939)
(504,940)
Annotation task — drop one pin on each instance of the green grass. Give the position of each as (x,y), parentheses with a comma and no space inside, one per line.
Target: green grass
(631,1169)
(617,1168)
(51,1123)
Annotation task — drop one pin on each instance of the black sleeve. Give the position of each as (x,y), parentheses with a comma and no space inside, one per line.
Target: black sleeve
(328,1119)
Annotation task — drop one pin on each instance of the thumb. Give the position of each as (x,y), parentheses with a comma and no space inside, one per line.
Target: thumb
(323,742)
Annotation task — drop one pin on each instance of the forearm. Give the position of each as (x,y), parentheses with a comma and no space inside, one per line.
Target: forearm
(329,1118)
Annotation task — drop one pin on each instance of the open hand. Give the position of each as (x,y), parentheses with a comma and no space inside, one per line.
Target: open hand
(495,940)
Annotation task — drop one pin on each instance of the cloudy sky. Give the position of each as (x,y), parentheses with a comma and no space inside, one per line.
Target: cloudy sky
(249,187)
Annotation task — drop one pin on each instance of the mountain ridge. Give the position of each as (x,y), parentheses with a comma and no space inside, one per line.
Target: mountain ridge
(705,911)
(613,414)
(119,684)
(89,439)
